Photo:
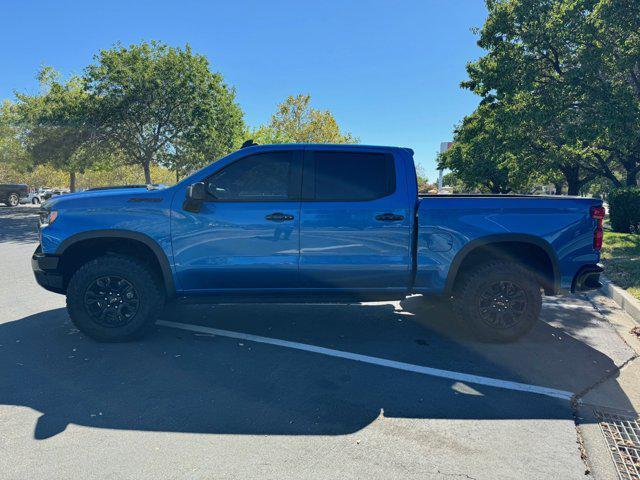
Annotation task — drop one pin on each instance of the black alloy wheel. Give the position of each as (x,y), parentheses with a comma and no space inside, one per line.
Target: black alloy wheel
(111,301)
(502,304)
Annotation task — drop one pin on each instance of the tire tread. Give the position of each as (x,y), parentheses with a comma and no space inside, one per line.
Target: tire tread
(463,299)
(146,281)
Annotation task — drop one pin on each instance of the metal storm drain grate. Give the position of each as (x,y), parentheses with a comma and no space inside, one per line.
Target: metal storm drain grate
(622,434)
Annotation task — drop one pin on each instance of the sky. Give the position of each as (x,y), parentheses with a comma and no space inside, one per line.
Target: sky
(388,70)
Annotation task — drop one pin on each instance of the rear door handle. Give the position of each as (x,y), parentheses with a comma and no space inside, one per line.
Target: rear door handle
(279,217)
(389,217)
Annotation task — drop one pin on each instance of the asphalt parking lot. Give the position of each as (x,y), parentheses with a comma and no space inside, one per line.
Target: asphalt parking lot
(377,390)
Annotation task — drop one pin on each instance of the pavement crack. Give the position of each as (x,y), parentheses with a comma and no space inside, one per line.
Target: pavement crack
(576,398)
(580,441)
(459,475)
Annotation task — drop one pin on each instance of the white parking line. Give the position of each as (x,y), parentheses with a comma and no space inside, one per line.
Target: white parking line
(383,362)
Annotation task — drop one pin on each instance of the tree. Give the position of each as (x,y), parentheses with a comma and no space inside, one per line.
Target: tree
(610,74)
(562,72)
(159,104)
(423,180)
(13,155)
(57,125)
(479,154)
(296,121)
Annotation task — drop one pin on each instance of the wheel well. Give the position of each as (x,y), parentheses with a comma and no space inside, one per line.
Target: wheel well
(84,251)
(529,255)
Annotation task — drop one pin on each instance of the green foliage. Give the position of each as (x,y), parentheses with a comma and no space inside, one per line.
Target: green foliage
(450,179)
(624,209)
(159,104)
(13,155)
(296,121)
(423,181)
(610,77)
(564,79)
(39,176)
(479,156)
(148,105)
(44,175)
(58,125)
(621,257)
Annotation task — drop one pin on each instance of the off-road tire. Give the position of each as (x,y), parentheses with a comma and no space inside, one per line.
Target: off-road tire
(488,281)
(146,285)
(13,200)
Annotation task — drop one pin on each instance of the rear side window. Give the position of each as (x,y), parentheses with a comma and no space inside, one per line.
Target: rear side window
(263,177)
(353,176)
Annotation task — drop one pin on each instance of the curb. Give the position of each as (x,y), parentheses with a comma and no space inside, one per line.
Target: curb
(625,300)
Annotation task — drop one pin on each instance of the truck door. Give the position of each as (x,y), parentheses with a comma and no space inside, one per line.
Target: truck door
(247,233)
(355,222)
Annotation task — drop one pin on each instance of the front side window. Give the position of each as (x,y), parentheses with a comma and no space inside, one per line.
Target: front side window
(261,177)
(352,176)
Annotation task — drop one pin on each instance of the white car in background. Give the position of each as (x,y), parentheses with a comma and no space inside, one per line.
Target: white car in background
(36,197)
(53,193)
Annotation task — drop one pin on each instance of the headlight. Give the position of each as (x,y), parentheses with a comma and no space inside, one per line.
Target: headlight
(47,217)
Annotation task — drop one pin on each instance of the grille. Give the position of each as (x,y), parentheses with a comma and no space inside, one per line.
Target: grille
(622,434)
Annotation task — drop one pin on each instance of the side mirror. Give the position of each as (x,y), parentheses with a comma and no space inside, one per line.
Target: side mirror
(196,195)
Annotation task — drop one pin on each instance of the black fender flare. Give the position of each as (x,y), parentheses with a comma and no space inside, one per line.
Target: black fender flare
(501,238)
(163,261)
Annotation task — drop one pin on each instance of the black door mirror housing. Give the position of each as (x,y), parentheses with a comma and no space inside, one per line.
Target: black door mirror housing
(196,195)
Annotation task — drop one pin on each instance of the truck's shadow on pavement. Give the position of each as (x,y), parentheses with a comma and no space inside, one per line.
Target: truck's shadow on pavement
(183,382)
(19,224)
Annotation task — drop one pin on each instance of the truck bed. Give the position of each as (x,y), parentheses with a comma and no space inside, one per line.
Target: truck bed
(448,225)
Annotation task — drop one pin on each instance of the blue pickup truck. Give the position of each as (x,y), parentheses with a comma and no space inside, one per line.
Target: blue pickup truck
(320,223)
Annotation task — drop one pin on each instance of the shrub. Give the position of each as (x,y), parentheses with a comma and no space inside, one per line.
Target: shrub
(624,209)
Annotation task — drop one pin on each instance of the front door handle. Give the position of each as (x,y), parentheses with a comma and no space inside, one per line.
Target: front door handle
(279,217)
(389,217)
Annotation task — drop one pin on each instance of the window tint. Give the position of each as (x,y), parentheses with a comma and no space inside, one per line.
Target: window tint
(262,177)
(353,176)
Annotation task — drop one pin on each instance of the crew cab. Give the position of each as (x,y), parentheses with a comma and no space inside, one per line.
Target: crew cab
(320,223)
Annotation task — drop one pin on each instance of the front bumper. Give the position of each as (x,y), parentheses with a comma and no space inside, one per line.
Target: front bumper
(46,270)
(587,278)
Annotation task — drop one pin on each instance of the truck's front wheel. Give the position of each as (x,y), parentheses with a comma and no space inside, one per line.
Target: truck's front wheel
(114,298)
(500,300)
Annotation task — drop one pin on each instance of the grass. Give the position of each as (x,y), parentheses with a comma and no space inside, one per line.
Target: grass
(621,257)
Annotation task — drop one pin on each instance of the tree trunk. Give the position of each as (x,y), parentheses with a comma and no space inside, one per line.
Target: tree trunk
(72,182)
(571,175)
(631,165)
(494,187)
(558,186)
(147,171)
(574,189)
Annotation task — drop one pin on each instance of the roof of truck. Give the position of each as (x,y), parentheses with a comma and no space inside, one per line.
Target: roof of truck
(327,146)
(322,146)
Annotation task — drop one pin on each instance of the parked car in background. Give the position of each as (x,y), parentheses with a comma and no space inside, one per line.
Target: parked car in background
(12,193)
(34,197)
(53,193)
(319,223)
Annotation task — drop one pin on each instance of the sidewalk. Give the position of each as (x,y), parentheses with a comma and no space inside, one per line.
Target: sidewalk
(603,411)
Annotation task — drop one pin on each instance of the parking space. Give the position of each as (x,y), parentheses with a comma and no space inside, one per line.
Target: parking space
(202,398)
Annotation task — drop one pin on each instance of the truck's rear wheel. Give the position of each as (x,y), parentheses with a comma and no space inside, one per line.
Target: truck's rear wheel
(114,298)
(500,300)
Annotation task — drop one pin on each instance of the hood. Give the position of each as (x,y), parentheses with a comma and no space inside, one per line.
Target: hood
(116,194)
